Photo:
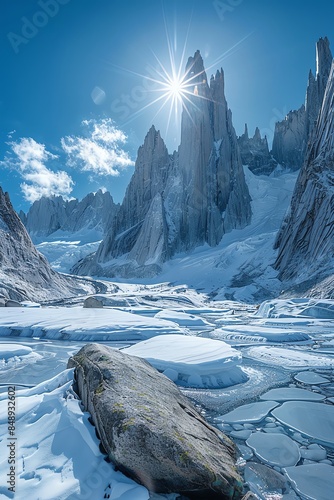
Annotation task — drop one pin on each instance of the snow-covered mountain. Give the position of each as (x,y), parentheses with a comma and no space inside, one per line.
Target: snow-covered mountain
(24,272)
(177,202)
(306,239)
(255,153)
(293,133)
(49,215)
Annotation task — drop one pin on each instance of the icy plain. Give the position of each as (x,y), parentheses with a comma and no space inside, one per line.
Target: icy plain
(280,414)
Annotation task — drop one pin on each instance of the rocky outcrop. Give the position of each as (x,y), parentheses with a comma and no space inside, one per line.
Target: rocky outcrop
(306,239)
(294,132)
(24,272)
(177,202)
(290,140)
(255,154)
(149,430)
(48,215)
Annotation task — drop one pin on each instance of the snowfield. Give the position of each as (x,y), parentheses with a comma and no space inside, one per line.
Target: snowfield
(265,379)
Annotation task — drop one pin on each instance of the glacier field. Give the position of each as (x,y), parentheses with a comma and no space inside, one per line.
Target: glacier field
(264,375)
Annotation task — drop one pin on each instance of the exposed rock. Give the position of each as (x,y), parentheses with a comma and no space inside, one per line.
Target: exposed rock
(177,202)
(48,215)
(12,303)
(92,303)
(290,139)
(306,238)
(255,153)
(24,273)
(150,430)
(294,132)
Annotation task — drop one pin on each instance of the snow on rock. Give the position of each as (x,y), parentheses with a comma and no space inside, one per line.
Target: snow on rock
(288,358)
(310,378)
(58,455)
(77,323)
(315,420)
(250,413)
(192,361)
(291,394)
(274,449)
(25,273)
(50,216)
(255,153)
(312,482)
(177,202)
(305,241)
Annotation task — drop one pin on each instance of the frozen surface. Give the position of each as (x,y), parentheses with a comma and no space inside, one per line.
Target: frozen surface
(192,361)
(310,308)
(59,456)
(42,340)
(77,323)
(250,413)
(10,350)
(313,482)
(274,449)
(310,378)
(289,358)
(291,394)
(182,318)
(315,420)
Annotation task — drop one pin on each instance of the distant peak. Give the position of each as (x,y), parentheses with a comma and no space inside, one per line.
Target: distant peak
(257,134)
(324,56)
(195,66)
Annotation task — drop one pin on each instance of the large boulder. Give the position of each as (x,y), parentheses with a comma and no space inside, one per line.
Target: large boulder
(150,431)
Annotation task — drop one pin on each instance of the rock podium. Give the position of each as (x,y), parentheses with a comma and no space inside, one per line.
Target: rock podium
(150,431)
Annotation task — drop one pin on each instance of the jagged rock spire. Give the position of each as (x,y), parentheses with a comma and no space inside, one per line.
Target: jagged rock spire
(306,239)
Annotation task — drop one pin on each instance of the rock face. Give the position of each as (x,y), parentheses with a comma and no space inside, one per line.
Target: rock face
(25,273)
(306,239)
(48,215)
(294,132)
(290,139)
(177,202)
(255,153)
(150,430)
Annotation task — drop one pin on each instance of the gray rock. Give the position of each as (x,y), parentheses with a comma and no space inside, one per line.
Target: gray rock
(2,301)
(292,134)
(24,273)
(50,214)
(150,430)
(176,202)
(255,153)
(306,238)
(12,303)
(92,303)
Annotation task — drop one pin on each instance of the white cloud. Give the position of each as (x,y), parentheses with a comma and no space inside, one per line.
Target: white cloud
(100,152)
(29,157)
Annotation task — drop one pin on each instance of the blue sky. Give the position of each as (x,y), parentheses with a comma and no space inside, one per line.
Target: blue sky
(74,79)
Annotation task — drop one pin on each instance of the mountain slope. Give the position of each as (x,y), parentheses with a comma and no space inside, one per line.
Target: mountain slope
(46,216)
(24,272)
(306,239)
(178,202)
(293,133)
